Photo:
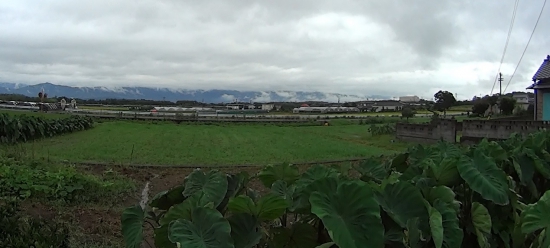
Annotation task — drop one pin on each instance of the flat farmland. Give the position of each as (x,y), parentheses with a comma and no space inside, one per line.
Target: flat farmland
(209,145)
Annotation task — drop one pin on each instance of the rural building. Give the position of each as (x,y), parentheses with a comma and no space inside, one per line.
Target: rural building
(409,99)
(380,106)
(325,110)
(179,109)
(522,100)
(268,106)
(541,86)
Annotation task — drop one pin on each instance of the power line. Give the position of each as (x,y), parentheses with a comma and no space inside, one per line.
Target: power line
(526,46)
(506,44)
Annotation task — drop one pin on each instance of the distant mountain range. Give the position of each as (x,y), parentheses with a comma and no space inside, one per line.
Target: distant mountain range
(210,96)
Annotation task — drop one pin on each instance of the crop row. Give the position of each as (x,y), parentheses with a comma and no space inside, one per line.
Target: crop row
(494,194)
(21,128)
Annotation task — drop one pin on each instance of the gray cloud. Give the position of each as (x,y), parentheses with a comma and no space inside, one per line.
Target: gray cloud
(359,47)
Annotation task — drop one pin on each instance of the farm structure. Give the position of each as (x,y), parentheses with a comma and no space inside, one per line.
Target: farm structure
(541,86)
(325,110)
(180,109)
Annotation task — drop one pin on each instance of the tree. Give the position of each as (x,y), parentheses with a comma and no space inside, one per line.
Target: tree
(407,113)
(443,101)
(507,105)
(480,107)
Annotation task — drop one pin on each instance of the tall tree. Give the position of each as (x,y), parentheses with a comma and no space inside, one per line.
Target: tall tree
(444,100)
(480,106)
(507,105)
(407,112)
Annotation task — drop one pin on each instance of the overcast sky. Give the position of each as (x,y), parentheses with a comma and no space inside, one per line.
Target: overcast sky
(365,47)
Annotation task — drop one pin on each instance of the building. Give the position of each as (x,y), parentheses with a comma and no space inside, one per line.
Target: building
(522,100)
(541,86)
(325,110)
(380,106)
(180,109)
(268,106)
(409,99)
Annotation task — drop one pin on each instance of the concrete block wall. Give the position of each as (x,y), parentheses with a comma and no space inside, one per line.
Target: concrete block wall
(475,130)
(427,133)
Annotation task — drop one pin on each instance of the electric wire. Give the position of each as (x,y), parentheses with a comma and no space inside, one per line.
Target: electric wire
(526,46)
(506,44)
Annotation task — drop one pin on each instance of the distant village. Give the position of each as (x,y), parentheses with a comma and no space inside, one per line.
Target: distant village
(305,107)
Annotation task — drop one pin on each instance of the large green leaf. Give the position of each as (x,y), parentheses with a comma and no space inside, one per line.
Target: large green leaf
(285,172)
(244,230)
(445,171)
(268,207)
(402,201)
(166,199)
(350,214)
(132,226)
(160,236)
(537,216)
(305,185)
(208,229)
(180,211)
(400,162)
(436,226)
(481,219)
(235,185)
(299,235)
(372,169)
(281,189)
(540,165)
(492,149)
(484,177)
(313,174)
(452,233)
(212,185)
(443,193)
(524,167)
(414,235)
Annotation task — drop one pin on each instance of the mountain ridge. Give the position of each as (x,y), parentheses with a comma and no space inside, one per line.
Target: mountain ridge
(155,93)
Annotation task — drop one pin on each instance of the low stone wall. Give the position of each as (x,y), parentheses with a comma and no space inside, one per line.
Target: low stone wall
(476,130)
(427,133)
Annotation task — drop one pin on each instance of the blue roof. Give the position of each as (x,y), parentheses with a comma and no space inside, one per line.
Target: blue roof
(544,70)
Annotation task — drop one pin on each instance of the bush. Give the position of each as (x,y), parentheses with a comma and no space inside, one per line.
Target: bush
(59,183)
(18,231)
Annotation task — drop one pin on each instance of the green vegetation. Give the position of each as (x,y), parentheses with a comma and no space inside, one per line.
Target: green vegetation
(490,195)
(47,115)
(24,128)
(211,145)
(25,184)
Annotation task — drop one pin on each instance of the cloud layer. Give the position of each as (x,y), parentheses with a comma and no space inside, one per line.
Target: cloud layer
(352,47)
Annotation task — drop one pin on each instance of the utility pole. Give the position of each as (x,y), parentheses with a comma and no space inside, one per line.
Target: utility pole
(500,83)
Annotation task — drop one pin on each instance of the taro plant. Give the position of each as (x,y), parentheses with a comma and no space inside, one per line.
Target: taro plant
(493,194)
(22,128)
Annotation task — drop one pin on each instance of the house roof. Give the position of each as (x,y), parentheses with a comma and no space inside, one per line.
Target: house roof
(544,70)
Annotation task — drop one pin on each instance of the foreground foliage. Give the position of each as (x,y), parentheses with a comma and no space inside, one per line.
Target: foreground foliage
(19,231)
(21,128)
(489,195)
(30,189)
(24,179)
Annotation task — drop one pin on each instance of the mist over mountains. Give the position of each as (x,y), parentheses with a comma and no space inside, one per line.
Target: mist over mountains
(150,93)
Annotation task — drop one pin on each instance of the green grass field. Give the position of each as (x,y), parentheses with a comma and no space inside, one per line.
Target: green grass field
(195,145)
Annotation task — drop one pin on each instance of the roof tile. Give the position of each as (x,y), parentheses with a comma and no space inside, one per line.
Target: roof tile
(544,70)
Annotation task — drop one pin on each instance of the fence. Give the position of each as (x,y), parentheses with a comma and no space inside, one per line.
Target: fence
(445,130)
(472,130)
